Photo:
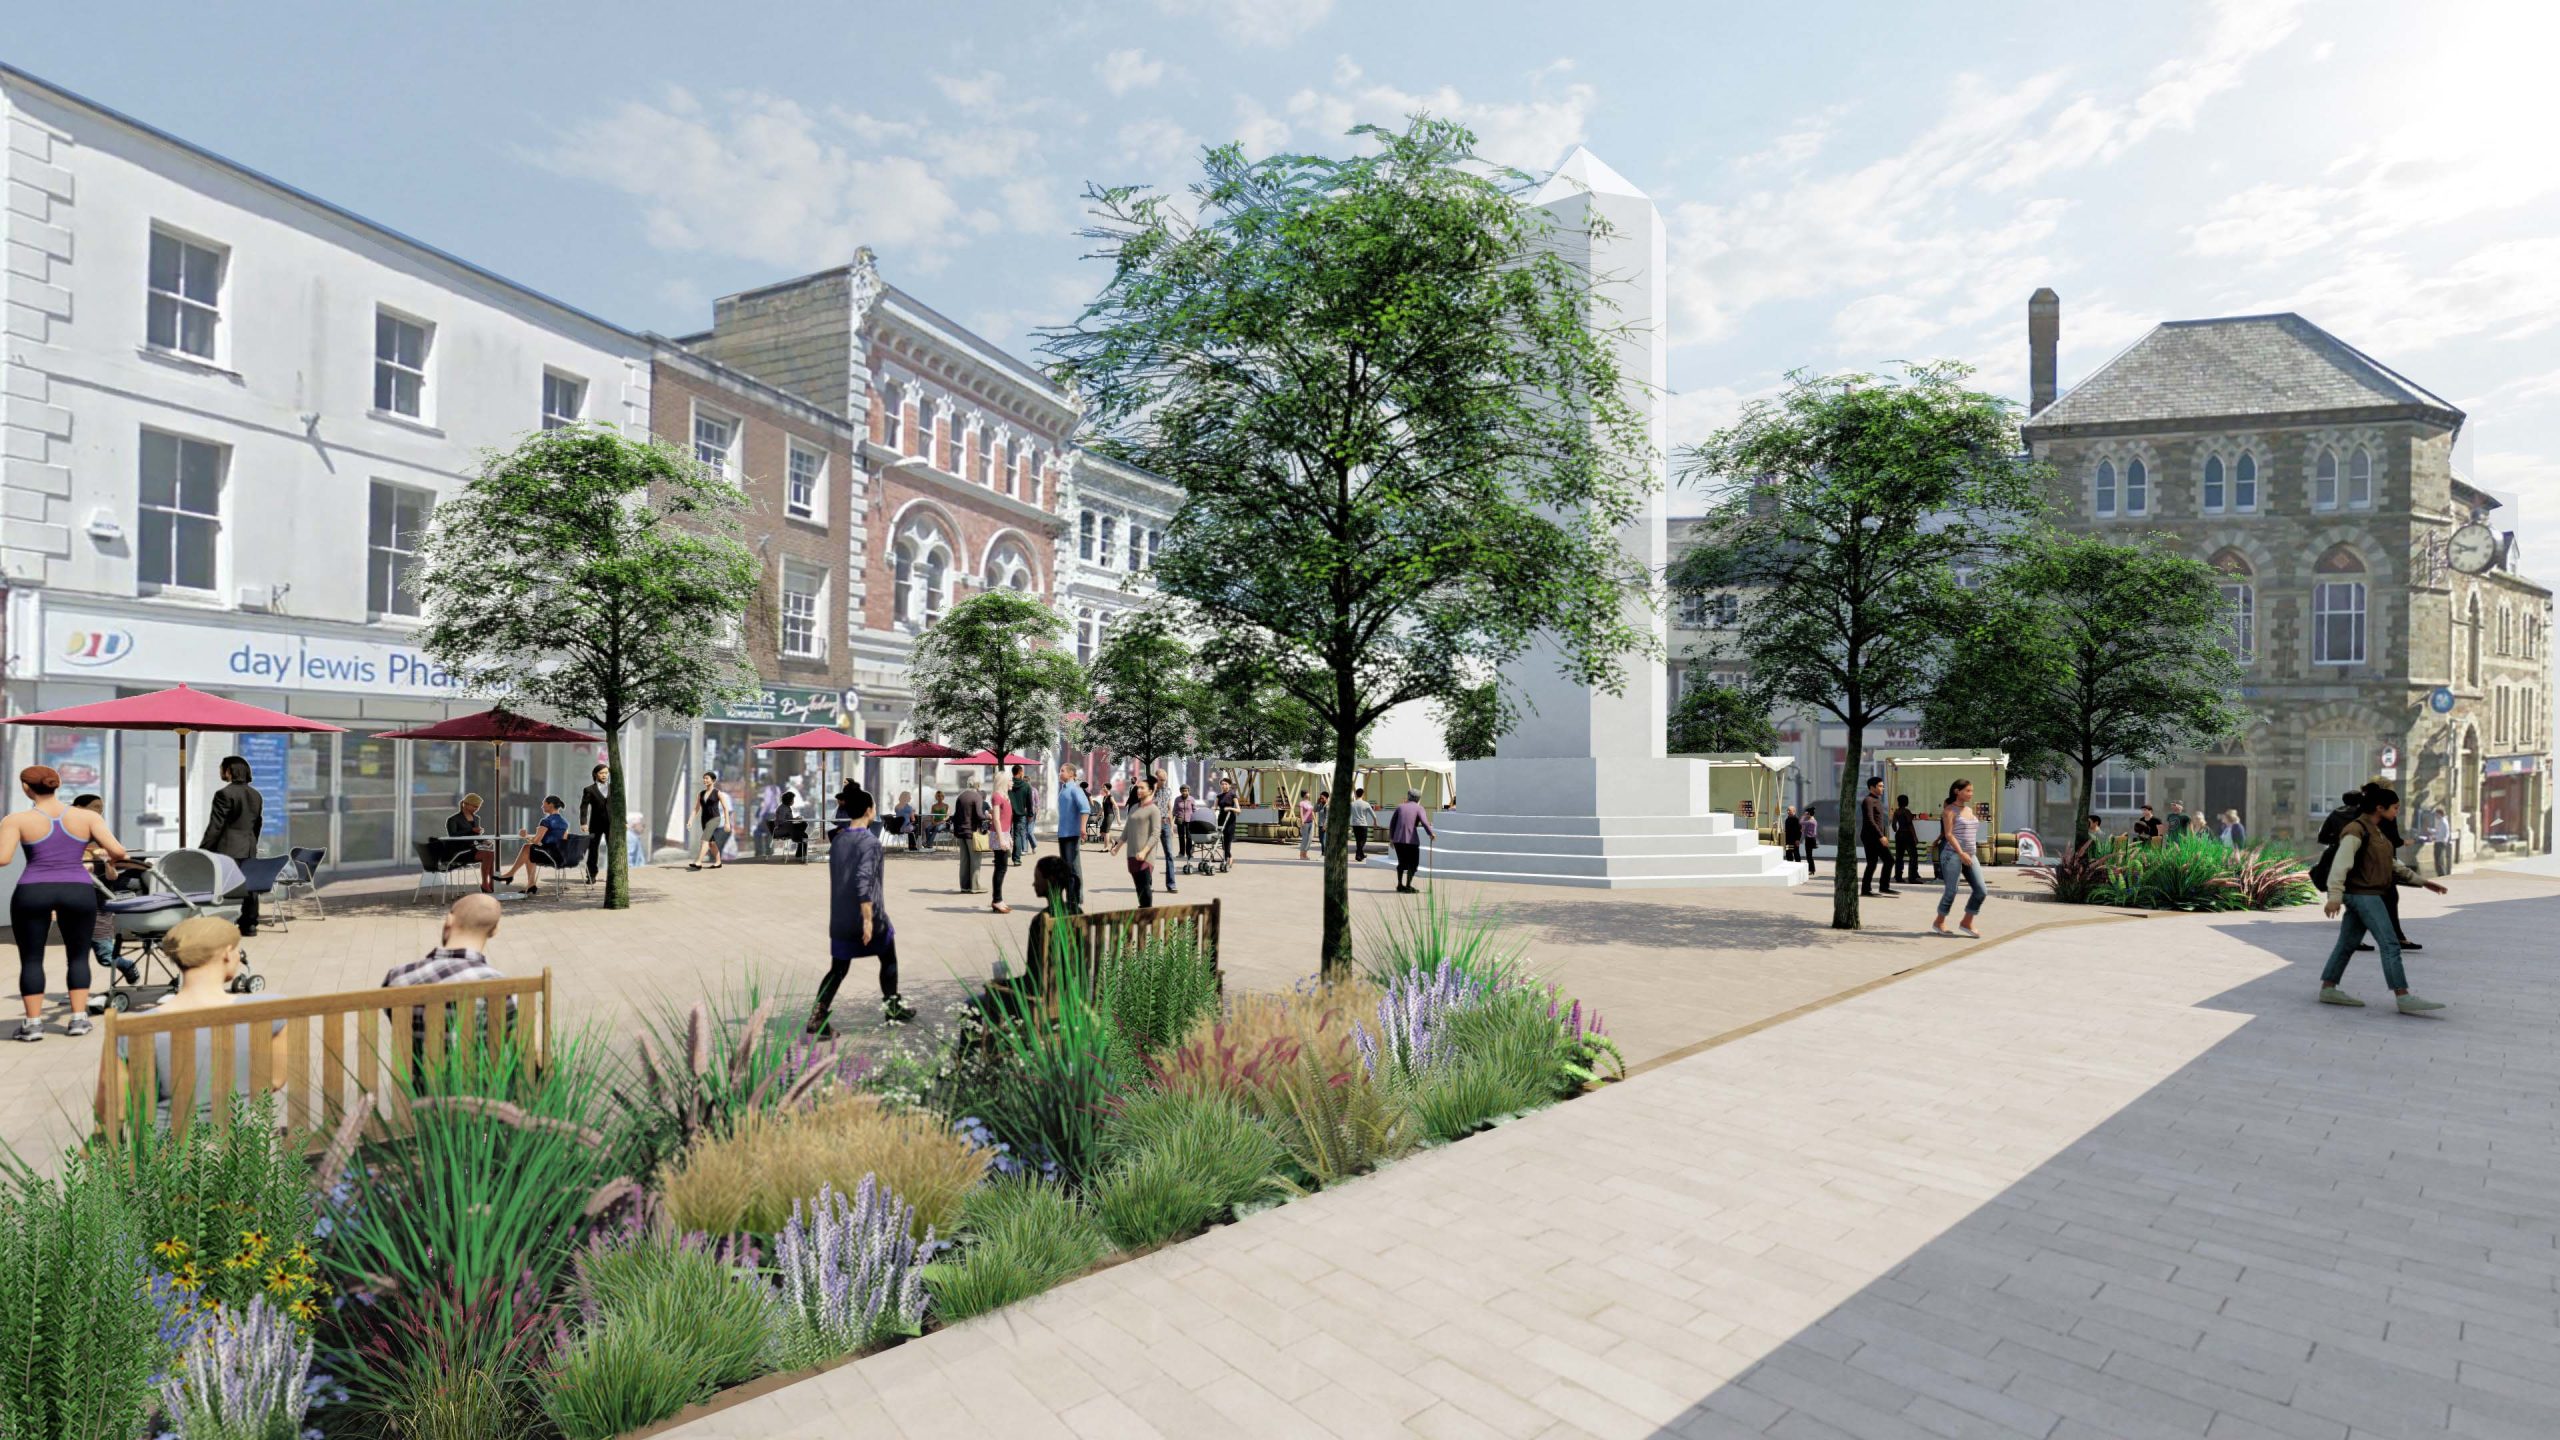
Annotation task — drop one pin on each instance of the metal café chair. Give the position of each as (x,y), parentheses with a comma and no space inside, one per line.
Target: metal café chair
(570,854)
(300,880)
(440,856)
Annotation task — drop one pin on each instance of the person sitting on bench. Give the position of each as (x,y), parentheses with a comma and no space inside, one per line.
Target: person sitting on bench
(206,950)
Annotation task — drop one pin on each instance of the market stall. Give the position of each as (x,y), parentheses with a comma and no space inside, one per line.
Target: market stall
(1925,776)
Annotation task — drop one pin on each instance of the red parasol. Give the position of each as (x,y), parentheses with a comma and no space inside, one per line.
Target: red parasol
(918,750)
(987,757)
(184,711)
(500,726)
(821,738)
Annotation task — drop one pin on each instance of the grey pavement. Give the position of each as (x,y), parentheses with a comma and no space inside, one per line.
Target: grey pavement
(2127,1181)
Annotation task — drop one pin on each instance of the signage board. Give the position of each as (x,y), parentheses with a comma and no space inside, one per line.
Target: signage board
(271,773)
(783,705)
(2441,701)
(152,651)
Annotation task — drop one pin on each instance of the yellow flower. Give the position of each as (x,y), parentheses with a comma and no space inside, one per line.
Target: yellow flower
(171,1249)
(304,1309)
(300,1255)
(280,1280)
(186,1278)
(254,1241)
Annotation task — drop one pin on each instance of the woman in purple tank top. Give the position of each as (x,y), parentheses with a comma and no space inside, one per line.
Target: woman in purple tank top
(55,889)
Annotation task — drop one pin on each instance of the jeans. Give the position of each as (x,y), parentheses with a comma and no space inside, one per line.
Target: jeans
(2365,914)
(1067,851)
(1950,871)
(1024,842)
(1164,849)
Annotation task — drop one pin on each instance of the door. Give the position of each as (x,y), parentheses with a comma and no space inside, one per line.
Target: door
(368,799)
(307,809)
(2226,787)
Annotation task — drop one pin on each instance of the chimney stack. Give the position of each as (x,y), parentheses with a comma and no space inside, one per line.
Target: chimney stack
(2044,336)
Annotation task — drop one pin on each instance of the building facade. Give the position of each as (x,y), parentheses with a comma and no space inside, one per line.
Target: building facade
(2382,634)
(227,408)
(1115,518)
(962,458)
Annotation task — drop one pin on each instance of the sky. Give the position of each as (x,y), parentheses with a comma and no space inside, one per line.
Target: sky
(1846,185)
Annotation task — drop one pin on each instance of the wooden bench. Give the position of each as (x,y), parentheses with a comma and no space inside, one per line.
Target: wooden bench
(336,1049)
(1107,930)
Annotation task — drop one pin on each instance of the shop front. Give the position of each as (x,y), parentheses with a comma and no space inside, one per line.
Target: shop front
(2511,803)
(728,738)
(362,798)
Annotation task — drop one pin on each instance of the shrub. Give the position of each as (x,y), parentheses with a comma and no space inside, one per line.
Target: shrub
(461,1232)
(1413,1019)
(1152,1198)
(2190,872)
(1049,1072)
(1241,1052)
(748,1181)
(666,1324)
(1428,937)
(1335,1124)
(1457,1099)
(728,1056)
(240,1376)
(851,1274)
(230,1215)
(1179,1163)
(1023,1236)
(79,1333)
(1158,988)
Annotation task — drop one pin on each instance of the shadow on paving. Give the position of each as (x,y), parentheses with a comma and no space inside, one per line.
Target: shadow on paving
(2333,1221)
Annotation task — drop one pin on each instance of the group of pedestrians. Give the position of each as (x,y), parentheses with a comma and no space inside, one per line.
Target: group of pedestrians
(2359,874)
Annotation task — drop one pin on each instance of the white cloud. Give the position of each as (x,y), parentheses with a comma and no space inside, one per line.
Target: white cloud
(981,154)
(1157,147)
(1260,132)
(1125,70)
(983,93)
(758,177)
(2388,304)
(1530,134)
(1255,22)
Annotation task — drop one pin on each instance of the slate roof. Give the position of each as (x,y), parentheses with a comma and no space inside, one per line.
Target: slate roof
(2237,366)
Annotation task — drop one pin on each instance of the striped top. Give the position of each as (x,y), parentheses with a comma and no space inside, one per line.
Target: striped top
(1967,833)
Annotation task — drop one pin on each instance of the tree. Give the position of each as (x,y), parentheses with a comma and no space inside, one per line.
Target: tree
(989,674)
(2079,651)
(1147,691)
(1245,718)
(598,576)
(1720,720)
(1842,510)
(1474,720)
(1401,433)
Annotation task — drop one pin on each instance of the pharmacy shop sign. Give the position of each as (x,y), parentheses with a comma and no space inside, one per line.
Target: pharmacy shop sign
(137,650)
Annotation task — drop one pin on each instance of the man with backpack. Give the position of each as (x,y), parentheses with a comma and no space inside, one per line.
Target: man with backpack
(2350,805)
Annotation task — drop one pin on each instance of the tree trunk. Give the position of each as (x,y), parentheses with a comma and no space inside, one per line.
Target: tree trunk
(1844,855)
(617,858)
(1337,860)
(2080,806)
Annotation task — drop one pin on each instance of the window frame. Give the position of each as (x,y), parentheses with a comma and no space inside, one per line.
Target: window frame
(217,517)
(1108,549)
(2331,775)
(180,303)
(2245,485)
(421,375)
(2325,472)
(2102,490)
(814,622)
(1084,536)
(2137,489)
(373,548)
(729,466)
(2215,499)
(577,385)
(2323,612)
(2243,607)
(814,512)
(2119,789)
(2359,458)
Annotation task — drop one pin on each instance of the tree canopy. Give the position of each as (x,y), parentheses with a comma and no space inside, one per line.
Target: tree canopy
(1720,720)
(1400,429)
(1842,511)
(596,576)
(2078,651)
(989,674)
(1147,690)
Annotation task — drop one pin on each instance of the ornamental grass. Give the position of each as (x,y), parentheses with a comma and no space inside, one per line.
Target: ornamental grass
(746,1182)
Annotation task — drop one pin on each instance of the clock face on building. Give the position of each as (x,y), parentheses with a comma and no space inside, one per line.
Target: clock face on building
(2472,549)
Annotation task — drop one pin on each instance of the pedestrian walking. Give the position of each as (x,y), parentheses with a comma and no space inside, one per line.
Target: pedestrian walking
(1405,829)
(1792,831)
(1164,812)
(2364,870)
(1073,805)
(1960,856)
(1026,814)
(711,818)
(1306,812)
(1230,809)
(1324,816)
(1812,835)
(231,827)
(54,890)
(2179,820)
(2232,832)
(905,815)
(1906,841)
(1110,810)
(768,809)
(969,832)
(1000,848)
(858,920)
(1872,821)
(595,815)
(1183,809)
(1144,835)
(1364,818)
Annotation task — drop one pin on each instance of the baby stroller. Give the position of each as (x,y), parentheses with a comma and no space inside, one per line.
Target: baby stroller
(180,886)
(1208,849)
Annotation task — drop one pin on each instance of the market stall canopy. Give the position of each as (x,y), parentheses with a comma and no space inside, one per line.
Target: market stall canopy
(185,711)
(500,726)
(822,738)
(918,750)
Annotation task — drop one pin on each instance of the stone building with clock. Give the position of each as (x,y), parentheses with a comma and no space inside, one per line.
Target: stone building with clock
(2384,622)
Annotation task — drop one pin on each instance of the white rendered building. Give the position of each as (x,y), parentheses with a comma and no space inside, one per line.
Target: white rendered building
(1116,516)
(229,406)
